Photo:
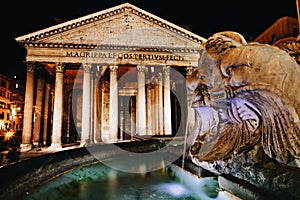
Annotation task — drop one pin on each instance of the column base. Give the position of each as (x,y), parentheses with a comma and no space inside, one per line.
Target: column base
(168,133)
(26,147)
(55,147)
(85,142)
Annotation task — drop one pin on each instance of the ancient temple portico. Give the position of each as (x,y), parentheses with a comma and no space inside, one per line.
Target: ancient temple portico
(108,76)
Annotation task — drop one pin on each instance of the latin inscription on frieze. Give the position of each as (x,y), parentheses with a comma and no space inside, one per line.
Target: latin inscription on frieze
(125,56)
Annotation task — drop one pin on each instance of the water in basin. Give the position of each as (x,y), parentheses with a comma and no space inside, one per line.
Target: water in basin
(99,181)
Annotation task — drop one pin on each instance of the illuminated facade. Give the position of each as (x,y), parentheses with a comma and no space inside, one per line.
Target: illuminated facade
(108,76)
(11,104)
(284,33)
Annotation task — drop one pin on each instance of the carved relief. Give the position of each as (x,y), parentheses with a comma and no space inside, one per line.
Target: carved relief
(244,94)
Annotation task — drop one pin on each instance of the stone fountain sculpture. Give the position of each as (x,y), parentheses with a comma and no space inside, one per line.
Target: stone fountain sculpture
(246,100)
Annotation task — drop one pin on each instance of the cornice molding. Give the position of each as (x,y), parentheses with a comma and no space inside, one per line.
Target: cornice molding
(109,47)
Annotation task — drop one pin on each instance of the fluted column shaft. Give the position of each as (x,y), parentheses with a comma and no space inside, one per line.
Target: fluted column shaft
(46,113)
(167,101)
(28,108)
(141,101)
(160,105)
(38,109)
(86,105)
(113,103)
(149,110)
(58,107)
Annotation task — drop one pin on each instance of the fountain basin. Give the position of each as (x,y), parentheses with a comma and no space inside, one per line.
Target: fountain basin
(20,180)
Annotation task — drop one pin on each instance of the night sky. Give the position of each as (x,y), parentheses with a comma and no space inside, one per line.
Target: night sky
(203,18)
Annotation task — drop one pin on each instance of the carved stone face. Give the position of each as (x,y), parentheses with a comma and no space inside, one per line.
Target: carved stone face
(237,76)
(261,83)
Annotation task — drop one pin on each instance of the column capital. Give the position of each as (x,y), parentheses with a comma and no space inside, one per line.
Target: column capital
(166,70)
(30,66)
(141,68)
(159,76)
(59,67)
(190,70)
(87,67)
(113,68)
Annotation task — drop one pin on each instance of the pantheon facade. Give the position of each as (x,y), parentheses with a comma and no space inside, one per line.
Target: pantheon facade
(108,76)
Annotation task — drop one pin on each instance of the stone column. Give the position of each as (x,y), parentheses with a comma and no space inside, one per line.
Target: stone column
(98,106)
(156,111)
(86,105)
(103,136)
(58,107)
(46,113)
(36,139)
(160,105)
(122,119)
(133,118)
(113,103)
(167,101)
(149,109)
(28,108)
(153,108)
(141,101)
(94,106)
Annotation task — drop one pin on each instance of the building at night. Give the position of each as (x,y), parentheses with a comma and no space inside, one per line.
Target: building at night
(11,104)
(284,33)
(105,77)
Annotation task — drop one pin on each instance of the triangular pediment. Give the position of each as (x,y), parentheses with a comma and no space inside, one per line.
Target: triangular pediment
(123,25)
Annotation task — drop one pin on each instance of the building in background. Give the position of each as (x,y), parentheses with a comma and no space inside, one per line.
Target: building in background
(284,33)
(17,104)
(11,104)
(5,104)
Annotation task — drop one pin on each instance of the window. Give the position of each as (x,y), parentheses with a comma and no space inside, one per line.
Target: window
(295,32)
(273,38)
(3,83)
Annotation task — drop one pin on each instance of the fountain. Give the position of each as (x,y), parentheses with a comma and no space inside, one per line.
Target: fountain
(97,180)
(247,101)
(245,136)
(86,173)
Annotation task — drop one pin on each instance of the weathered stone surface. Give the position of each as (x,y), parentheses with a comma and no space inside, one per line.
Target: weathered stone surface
(246,100)
(119,35)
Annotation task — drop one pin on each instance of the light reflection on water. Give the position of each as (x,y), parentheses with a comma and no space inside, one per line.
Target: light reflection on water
(98,181)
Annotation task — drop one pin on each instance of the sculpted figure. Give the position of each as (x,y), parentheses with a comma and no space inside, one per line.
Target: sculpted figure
(245,95)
